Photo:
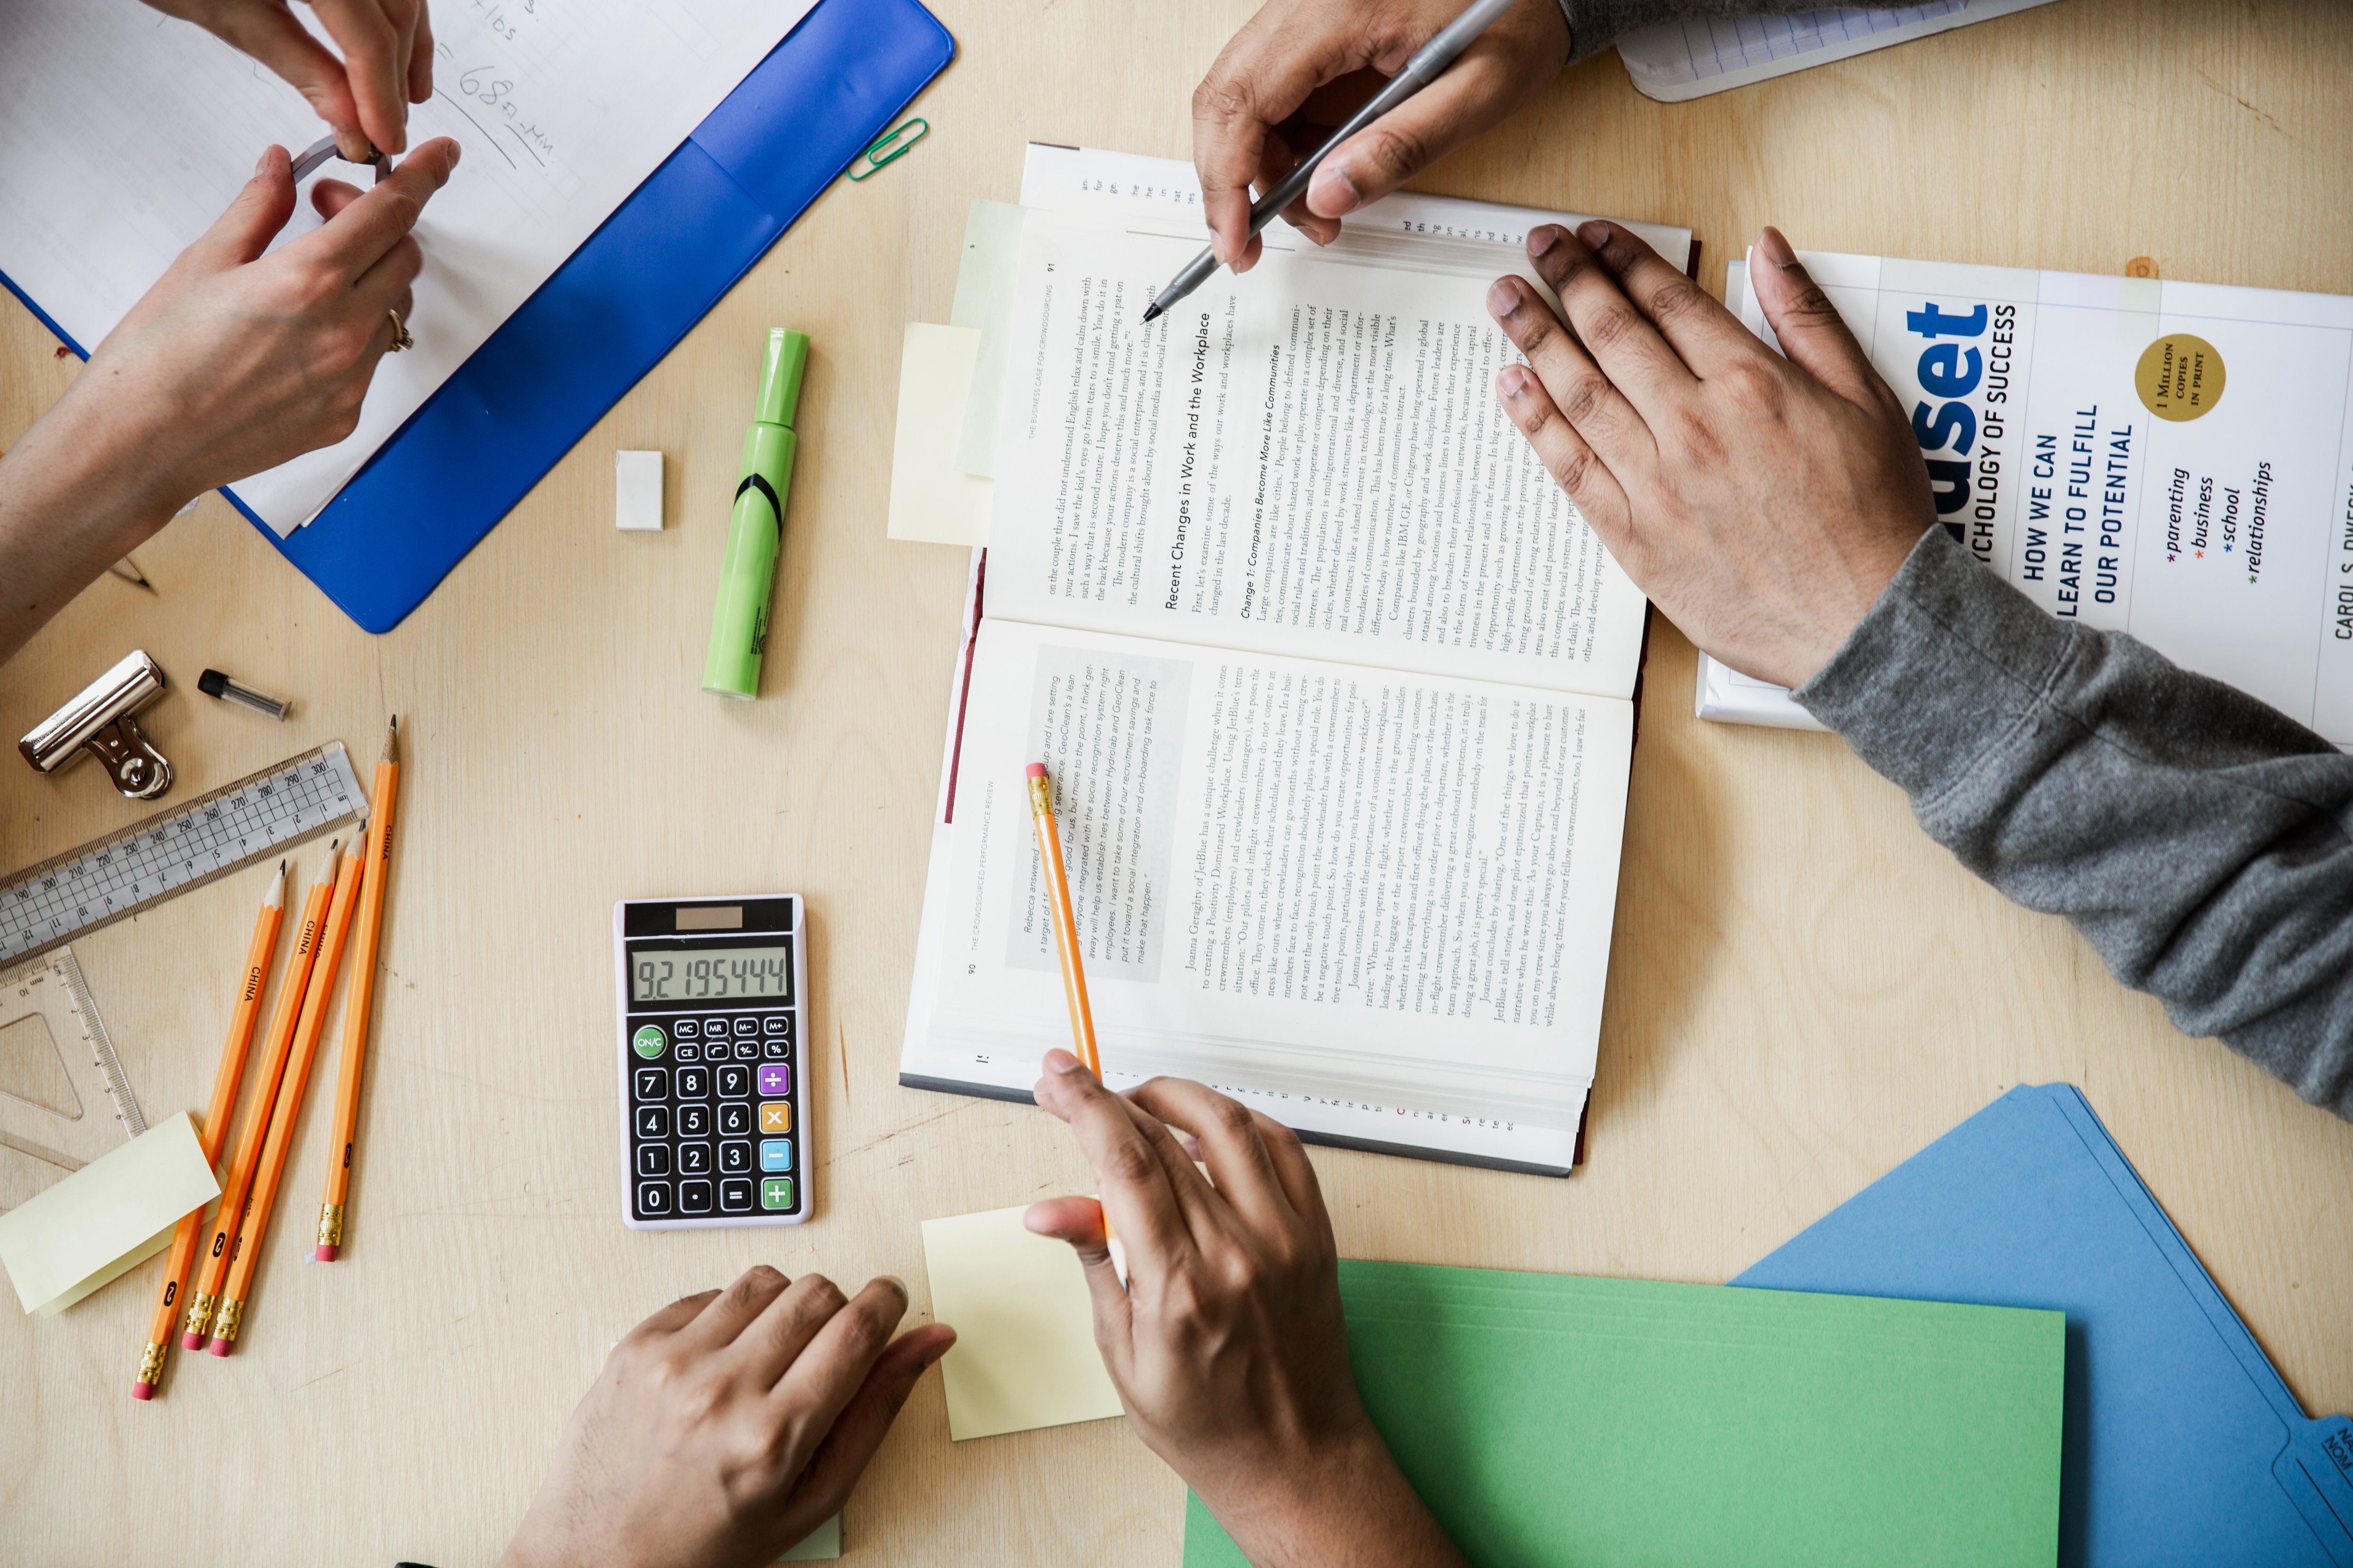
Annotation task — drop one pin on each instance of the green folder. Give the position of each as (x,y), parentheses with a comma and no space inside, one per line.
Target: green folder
(1550,1419)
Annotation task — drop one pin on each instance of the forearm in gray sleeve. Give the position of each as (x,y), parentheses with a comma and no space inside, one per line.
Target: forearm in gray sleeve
(1595,24)
(2202,841)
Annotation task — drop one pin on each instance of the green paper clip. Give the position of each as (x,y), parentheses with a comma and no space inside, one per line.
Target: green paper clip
(876,155)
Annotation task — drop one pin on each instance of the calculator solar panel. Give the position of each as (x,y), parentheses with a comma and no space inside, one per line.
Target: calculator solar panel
(712,995)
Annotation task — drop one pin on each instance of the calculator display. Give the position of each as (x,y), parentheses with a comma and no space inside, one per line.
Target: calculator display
(692,977)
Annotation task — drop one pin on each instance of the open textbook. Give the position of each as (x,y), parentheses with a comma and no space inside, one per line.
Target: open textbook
(2174,460)
(1334,684)
(124,134)
(1679,60)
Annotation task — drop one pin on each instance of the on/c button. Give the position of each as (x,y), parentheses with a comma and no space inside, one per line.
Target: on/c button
(776,1116)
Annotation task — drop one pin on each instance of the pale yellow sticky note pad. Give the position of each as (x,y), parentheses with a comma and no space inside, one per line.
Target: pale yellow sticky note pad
(1025,1352)
(114,1212)
(932,500)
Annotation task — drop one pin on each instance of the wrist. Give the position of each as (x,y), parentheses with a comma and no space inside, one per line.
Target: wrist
(1343,1501)
(87,483)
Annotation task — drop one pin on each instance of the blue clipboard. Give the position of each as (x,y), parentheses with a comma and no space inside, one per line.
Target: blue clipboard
(2182,1443)
(611,312)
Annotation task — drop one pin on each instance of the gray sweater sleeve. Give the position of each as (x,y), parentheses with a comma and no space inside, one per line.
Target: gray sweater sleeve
(2200,840)
(1595,24)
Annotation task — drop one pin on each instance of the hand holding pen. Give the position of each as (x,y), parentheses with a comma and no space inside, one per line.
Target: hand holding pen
(1505,52)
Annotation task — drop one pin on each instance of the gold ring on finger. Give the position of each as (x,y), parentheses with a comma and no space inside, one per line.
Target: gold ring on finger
(400,338)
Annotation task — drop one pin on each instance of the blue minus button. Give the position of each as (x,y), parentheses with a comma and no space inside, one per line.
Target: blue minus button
(776,1154)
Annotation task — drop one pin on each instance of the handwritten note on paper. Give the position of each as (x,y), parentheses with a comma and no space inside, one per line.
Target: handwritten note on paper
(1025,1354)
(106,1217)
(562,109)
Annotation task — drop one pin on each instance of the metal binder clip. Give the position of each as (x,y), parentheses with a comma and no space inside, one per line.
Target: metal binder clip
(98,721)
(888,147)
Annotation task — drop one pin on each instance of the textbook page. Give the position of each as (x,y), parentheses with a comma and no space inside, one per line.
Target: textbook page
(124,134)
(1309,460)
(2174,460)
(1310,881)
(1680,60)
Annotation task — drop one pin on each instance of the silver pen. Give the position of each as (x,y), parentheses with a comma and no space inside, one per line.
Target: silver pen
(1429,62)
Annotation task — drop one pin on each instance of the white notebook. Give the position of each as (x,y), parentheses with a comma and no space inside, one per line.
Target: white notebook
(1334,684)
(1680,60)
(2174,460)
(124,134)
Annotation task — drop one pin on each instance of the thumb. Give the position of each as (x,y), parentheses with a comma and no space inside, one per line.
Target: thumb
(1475,95)
(1813,334)
(1080,1222)
(244,231)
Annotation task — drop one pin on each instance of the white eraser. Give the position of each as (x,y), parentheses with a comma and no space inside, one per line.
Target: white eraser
(637,490)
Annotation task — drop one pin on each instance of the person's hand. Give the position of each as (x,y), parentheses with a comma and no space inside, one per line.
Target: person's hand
(236,361)
(1761,502)
(233,363)
(1292,47)
(388,61)
(727,1426)
(1227,1345)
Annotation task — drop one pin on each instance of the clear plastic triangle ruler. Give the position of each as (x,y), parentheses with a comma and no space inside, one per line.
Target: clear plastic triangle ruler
(63,1095)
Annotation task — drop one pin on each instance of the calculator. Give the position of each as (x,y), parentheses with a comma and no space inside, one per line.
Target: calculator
(712,995)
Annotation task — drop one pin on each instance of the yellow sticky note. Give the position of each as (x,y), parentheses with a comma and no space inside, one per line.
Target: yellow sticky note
(822,1545)
(932,500)
(1025,1353)
(107,1217)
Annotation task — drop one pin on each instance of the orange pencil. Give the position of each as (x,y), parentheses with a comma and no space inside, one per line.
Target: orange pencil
(216,1134)
(1066,924)
(245,1253)
(238,1186)
(362,993)
(1066,943)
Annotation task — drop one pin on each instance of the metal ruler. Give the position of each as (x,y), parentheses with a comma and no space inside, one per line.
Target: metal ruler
(101,882)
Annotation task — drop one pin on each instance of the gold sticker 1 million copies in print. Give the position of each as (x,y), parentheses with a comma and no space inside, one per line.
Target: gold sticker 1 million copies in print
(2179,377)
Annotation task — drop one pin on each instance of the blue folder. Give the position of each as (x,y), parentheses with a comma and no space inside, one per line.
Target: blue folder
(2182,1445)
(610,313)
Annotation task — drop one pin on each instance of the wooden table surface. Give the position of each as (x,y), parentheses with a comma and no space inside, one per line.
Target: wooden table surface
(1804,989)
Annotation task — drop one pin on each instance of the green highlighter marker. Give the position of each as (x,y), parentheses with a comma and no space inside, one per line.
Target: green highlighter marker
(739,622)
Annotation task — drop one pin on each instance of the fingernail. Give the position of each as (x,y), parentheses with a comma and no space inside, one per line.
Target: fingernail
(1059,1060)
(1512,382)
(1595,233)
(457,150)
(261,164)
(1335,195)
(1776,248)
(1503,297)
(896,1283)
(1541,239)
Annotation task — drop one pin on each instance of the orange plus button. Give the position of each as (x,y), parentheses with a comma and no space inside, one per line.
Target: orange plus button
(776,1116)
